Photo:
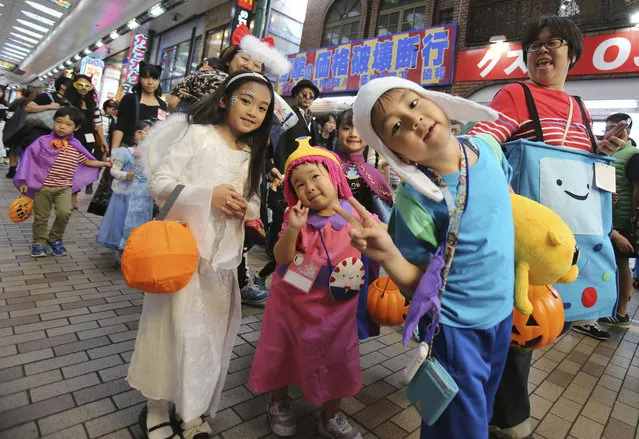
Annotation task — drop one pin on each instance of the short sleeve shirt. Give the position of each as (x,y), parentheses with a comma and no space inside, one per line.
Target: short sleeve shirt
(64,167)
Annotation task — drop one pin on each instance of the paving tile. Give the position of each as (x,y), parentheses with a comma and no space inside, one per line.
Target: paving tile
(36,410)
(77,415)
(586,381)
(19,321)
(19,329)
(546,365)
(75,432)
(577,357)
(100,391)
(604,396)
(113,373)
(34,311)
(569,366)
(224,420)
(91,366)
(127,399)
(566,409)
(610,382)
(113,422)
(234,396)
(389,430)
(408,419)
(26,431)
(15,400)
(549,391)
(372,359)
(552,426)
(586,428)
(81,345)
(253,429)
(628,397)
(92,333)
(115,348)
(62,387)
(25,358)
(83,303)
(253,407)
(351,405)
(375,414)
(130,335)
(618,430)
(375,392)
(597,411)
(375,373)
(625,413)
(93,316)
(42,343)
(593,369)
(539,406)
(6,351)
(616,371)
(11,373)
(55,363)
(29,382)
(71,328)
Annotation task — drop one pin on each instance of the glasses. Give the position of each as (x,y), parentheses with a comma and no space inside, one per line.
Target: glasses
(553,43)
(82,86)
(308,95)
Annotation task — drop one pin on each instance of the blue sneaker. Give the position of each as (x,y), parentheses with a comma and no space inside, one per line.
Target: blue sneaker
(255,292)
(39,251)
(57,248)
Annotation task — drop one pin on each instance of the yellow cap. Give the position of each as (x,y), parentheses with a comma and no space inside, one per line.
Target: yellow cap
(306,150)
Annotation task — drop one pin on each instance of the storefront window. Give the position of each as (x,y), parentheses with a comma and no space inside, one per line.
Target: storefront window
(215,41)
(396,16)
(342,22)
(195,58)
(174,62)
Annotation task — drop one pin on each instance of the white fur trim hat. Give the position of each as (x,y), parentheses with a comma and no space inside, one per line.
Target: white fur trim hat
(454,107)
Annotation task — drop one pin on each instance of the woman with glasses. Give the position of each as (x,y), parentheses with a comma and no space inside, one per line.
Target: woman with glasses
(81,95)
(551,47)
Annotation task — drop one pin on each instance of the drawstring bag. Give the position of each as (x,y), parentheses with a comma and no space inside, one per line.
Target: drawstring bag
(160,256)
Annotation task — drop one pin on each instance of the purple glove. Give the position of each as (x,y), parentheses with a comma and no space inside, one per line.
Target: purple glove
(425,298)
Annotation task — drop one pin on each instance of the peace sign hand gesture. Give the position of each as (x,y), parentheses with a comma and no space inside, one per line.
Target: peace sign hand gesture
(368,235)
(297,216)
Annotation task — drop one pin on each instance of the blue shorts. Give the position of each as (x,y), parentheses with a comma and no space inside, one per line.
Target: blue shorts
(475,359)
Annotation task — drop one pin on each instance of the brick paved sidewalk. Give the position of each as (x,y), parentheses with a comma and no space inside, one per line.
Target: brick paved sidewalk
(68,326)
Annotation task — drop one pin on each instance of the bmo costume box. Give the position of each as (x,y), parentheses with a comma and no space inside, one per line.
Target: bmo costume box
(564,180)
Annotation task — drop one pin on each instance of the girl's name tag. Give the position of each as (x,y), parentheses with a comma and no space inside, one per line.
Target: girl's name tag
(302,272)
(89,137)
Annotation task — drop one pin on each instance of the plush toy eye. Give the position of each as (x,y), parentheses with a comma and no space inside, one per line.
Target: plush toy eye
(559,182)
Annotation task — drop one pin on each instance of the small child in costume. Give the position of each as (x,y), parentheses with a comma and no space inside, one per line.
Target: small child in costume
(131,203)
(51,169)
(448,184)
(185,340)
(367,184)
(312,317)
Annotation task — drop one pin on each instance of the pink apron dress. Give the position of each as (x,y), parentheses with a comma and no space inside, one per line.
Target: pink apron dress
(311,340)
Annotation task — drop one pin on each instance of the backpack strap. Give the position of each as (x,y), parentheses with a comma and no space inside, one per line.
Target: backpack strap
(584,117)
(534,115)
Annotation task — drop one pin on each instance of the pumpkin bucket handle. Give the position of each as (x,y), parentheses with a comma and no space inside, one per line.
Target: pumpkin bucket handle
(169,202)
(386,286)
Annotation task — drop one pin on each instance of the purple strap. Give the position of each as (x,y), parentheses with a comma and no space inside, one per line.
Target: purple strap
(426,297)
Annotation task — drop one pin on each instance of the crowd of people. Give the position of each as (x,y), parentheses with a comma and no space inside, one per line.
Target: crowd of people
(325,189)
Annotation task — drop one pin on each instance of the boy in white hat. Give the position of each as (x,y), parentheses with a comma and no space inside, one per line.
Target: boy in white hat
(454,201)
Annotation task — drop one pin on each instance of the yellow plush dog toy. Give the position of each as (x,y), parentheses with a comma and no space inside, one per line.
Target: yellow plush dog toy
(546,251)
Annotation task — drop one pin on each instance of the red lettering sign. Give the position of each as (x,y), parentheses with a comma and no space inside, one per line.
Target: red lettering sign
(612,53)
(136,55)
(245,4)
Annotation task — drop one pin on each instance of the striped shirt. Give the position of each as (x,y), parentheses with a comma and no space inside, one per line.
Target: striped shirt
(553,106)
(64,167)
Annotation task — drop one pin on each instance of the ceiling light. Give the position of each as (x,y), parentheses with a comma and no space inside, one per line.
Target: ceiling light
(69,63)
(38,18)
(22,43)
(133,24)
(32,25)
(18,48)
(99,44)
(44,9)
(12,57)
(157,10)
(77,57)
(113,35)
(28,32)
(55,70)
(22,37)
(87,51)
(497,39)
(62,3)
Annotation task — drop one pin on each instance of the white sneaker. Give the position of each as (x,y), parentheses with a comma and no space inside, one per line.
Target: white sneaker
(280,416)
(338,428)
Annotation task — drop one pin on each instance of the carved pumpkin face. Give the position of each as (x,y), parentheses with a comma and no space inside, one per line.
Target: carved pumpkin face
(20,209)
(544,325)
(386,305)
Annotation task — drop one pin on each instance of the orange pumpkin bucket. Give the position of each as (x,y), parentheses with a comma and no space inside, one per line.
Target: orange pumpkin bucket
(546,322)
(20,209)
(386,304)
(160,256)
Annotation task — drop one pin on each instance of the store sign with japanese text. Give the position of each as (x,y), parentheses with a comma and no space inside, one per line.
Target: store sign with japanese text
(425,56)
(243,14)
(137,52)
(93,67)
(611,53)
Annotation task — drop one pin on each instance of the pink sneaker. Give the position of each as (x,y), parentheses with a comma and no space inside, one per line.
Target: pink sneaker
(338,428)
(280,416)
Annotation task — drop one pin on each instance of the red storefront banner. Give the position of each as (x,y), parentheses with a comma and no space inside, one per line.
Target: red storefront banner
(425,56)
(137,51)
(612,53)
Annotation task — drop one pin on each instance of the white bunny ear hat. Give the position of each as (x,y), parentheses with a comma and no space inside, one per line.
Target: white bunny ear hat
(454,107)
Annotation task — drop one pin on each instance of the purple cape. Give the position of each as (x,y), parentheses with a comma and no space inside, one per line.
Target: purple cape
(371,176)
(38,159)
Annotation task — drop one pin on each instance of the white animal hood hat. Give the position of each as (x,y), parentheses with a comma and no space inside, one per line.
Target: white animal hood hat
(454,107)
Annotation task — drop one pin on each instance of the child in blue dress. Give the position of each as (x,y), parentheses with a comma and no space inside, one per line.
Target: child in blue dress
(131,203)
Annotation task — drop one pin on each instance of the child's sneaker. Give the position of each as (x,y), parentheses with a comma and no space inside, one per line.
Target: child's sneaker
(39,251)
(618,320)
(57,248)
(338,428)
(280,416)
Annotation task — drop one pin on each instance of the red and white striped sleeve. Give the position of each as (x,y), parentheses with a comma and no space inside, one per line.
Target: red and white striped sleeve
(509,121)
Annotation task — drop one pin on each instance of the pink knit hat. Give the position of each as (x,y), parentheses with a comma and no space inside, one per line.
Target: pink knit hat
(305,153)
